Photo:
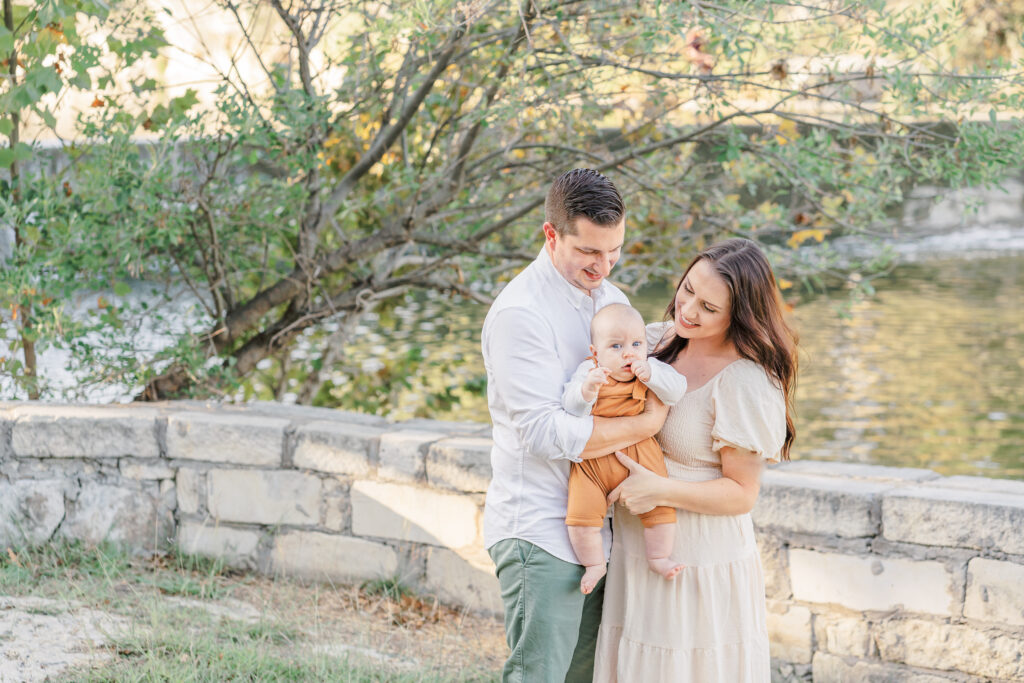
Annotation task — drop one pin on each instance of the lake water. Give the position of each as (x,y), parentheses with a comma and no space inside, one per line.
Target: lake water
(927,373)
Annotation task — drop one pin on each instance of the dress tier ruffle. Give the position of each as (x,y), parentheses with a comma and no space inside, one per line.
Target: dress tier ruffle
(708,624)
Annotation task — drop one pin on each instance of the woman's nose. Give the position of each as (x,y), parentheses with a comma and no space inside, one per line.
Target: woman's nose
(686,309)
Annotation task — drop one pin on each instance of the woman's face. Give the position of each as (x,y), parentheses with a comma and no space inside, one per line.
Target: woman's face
(703,304)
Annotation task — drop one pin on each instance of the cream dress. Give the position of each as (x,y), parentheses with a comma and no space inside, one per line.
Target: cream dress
(708,624)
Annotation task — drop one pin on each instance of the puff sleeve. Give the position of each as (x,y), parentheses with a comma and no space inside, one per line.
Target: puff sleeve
(749,411)
(656,332)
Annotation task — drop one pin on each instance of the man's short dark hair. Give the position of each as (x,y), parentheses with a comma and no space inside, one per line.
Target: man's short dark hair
(582,192)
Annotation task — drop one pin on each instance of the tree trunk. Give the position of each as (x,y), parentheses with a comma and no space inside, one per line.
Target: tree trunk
(24,312)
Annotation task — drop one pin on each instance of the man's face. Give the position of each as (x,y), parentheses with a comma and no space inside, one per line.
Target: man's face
(586,258)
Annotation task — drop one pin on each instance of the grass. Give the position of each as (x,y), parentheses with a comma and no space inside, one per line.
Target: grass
(172,637)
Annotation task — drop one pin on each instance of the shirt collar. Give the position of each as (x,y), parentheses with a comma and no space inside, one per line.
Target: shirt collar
(577,297)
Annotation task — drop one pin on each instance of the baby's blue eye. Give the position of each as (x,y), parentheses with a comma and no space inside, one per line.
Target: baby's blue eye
(615,346)
(637,344)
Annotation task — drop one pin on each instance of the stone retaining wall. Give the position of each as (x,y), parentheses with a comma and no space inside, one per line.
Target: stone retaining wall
(872,573)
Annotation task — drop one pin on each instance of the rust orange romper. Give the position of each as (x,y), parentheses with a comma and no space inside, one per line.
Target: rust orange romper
(592,480)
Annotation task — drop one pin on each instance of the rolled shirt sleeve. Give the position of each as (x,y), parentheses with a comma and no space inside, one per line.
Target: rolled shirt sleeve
(529,381)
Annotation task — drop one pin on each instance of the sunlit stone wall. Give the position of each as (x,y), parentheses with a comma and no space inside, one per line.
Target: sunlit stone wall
(872,573)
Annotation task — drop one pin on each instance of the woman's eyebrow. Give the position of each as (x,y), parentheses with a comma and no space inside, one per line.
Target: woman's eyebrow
(686,282)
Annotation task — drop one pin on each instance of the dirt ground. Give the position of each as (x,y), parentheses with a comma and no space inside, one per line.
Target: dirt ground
(406,632)
(44,638)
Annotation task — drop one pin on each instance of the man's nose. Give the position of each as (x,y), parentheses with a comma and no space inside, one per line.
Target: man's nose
(604,265)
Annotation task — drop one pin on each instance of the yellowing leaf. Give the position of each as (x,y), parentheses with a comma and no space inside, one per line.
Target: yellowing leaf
(832,204)
(800,236)
(787,132)
(331,142)
(784,283)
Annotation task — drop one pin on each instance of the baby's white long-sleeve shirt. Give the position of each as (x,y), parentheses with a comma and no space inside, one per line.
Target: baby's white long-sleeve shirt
(668,384)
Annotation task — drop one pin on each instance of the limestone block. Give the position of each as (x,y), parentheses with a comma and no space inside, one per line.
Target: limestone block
(464,577)
(403,454)
(337,510)
(832,669)
(131,469)
(226,437)
(815,504)
(1009,486)
(237,547)
(784,672)
(133,518)
(775,565)
(408,513)
(984,517)
(851,470)
(871,582)
(337,447)
(789,632)
(30,511)
(842,635)
(52,431)
(264,497)
(303,414)
(191,485)
(448,428)
(460,463)
(995,592)
(950,647)
(319,556)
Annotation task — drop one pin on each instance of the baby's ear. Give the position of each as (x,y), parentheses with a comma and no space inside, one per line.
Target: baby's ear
(593,351)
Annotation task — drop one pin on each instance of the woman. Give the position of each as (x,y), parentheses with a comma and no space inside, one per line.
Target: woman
(728,337)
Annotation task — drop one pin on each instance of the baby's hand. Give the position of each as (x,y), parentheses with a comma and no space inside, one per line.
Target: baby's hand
(641,369)
(594,380)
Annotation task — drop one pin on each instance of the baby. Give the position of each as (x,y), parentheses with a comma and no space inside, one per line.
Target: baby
(613,382)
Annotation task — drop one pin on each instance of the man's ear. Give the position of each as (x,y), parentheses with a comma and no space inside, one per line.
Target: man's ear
(550,234)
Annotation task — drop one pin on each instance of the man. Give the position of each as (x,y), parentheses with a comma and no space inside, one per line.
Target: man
(535,335)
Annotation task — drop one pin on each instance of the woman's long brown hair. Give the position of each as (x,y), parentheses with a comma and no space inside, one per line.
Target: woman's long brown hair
(756,326)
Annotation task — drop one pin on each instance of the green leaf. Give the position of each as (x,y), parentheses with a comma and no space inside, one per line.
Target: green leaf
(47,117)
(6,126)
(6,157)
(992,116)
(6,41)
(23,152)
(122,289)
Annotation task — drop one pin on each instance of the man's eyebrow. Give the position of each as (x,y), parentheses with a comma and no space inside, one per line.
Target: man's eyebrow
(596,249)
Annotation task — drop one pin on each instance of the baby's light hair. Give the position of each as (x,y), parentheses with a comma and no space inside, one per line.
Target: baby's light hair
(621,311)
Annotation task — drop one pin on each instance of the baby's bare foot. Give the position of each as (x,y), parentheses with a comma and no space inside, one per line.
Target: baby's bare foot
(591,577)
(665,566)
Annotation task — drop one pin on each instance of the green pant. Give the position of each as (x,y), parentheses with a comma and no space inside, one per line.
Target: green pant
(551,627)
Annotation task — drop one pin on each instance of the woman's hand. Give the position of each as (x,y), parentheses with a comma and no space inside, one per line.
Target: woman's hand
(640,491)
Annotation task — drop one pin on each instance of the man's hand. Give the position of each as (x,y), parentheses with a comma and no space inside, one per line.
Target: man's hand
(641,369)
(654,413)
(596,378)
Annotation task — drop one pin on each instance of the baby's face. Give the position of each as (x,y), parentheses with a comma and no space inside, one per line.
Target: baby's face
(618,343)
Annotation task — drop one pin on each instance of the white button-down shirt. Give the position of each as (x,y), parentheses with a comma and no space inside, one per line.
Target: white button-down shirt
(535,335)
